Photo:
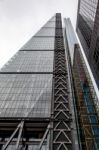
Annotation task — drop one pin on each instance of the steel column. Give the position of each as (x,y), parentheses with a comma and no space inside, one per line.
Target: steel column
(45,135)
(19,135)
(12,136)
(62,139)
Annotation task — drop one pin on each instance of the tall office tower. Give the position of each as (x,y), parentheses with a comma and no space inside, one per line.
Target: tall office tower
(86,103)
(36,107)
(47,101)
(88,32)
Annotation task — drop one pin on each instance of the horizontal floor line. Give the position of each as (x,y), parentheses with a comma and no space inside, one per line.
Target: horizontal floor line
(26,72)
(35,50)
(43,36)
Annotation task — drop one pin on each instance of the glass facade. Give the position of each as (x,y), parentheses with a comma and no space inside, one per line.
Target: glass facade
(70,36)
(86,18)
(88,10)
(86,101)
(26,80)
(50,24)
(25,95)
(88,29)
(87,13)
(30,61)
(47,100)
(85,104)
(40,43)
(46,32)
(85,30)
(26,92)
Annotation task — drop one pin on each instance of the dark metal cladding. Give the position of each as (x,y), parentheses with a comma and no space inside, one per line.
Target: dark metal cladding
(61,116)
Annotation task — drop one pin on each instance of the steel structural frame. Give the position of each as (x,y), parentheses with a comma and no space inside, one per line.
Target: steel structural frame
(19,128)
(62,119)
(18,133)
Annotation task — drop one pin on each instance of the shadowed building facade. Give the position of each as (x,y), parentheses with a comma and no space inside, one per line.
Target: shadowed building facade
(88,32)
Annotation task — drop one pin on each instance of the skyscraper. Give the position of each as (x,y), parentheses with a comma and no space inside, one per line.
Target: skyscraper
(86,103)
(39,94)
(34,99)
(88,29)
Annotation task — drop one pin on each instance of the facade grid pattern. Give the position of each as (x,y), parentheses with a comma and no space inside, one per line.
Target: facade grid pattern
(88,29)
(26,91)
(85,105)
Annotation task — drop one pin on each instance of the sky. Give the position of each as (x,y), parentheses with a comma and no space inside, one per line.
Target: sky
(21,19)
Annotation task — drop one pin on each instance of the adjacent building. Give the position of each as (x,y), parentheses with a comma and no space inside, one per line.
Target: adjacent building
(47,99)
(86,103)
(88,32)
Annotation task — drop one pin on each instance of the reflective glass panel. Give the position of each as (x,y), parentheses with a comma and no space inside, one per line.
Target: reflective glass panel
(25,95)
(46,32)
(30,61)
(40,43)
(50,24)
(88,9)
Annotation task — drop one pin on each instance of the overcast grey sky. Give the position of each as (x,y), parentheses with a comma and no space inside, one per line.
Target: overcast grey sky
(21,19)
